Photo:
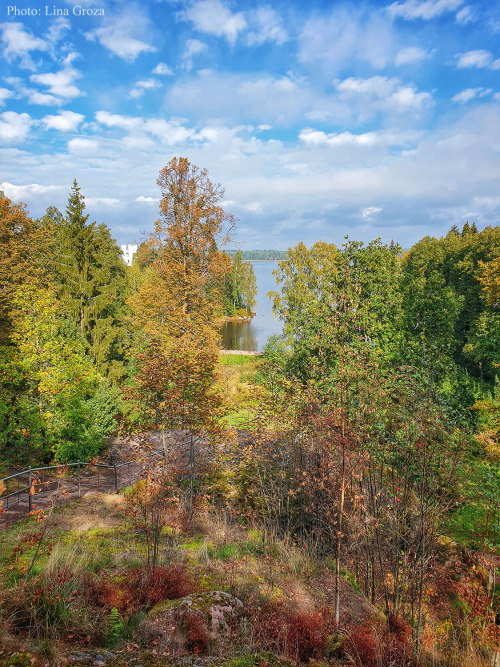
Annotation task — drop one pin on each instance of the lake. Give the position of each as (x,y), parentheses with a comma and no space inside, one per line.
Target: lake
(252,336)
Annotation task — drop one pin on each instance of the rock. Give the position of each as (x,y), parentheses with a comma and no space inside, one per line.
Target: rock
(196,621)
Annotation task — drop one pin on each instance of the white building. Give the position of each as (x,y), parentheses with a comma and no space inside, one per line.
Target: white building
(128,252)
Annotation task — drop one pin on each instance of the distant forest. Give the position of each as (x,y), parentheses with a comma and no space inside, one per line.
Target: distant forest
(258,254)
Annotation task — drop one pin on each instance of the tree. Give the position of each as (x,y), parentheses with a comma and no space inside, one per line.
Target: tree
(54,381)
(240,286)
(177,304)
(18,251)
(182,296)
(91,281)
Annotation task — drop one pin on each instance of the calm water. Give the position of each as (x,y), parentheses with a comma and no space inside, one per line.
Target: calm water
(253,335)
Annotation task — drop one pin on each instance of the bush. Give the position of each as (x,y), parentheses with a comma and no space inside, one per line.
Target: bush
(151,585)
(299,635)
(367,647)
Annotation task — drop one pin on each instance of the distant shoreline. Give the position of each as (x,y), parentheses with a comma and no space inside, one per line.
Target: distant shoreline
(247,353)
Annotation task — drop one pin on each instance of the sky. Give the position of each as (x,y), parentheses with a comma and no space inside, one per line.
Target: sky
(320,119)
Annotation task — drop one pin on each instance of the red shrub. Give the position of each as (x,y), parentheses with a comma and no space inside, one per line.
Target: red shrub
(360,645)
(298,635)
(195,632)
(151,585)
(368,648)
(102,592)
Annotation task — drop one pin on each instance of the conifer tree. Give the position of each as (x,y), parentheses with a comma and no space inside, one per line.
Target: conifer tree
(92,282)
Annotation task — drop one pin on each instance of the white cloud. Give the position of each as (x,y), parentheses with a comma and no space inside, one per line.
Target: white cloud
(384,93)
(60,83)
(66,121)
(169,133)
(193,48)
(470,94)
(18,43)
(5,93)
(423,9)
(14,127)
(266,26)
(57,29)
(22,192)
(162,69)
(81,146)
(347,35)
(115,120)
(365,140)
(147,200)
(367,212)
(141,86)
(43,99)
(412,54)
(480,59)
(123,36)
(214,18)
(257,99)
(112,202)
(465,15)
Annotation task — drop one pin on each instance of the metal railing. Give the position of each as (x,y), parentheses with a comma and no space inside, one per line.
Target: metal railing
(105,477)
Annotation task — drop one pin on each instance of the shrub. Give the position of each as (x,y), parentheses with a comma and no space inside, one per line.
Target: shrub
(299,635)
(151,585)
(195,632)
(366,647)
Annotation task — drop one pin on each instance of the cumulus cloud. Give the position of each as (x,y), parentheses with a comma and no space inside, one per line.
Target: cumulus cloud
(60,84)
(162,69)
(147,200)
(141,86)
(65,121)
(124,36)
(480,59)
(470,94)
(167,132)
(5,93)
(366,139)
(383,92)
(19,42)
(14,127)
(266,26)
(423,9)
(410,55)
(43,99)
(22,192)
(215,18)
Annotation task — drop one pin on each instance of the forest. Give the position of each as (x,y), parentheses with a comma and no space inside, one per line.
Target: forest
(332,502)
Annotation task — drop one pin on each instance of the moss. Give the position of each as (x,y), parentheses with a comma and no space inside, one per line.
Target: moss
(163,607)
(264,659)
(18,660)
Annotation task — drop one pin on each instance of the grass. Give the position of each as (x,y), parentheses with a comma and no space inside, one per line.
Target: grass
(95,541)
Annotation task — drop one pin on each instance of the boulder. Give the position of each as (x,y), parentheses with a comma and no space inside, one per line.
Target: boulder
(196,622)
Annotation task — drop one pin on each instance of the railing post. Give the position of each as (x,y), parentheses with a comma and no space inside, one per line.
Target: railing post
(116,480)
(30,503)
(79,486)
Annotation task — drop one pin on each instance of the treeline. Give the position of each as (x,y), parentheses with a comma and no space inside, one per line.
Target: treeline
(78,327)
(248,255)
(384,407)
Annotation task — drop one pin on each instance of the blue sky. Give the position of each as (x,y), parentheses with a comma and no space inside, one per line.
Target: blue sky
(319,120)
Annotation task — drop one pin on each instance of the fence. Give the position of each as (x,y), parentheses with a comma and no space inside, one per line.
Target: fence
(22,487)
